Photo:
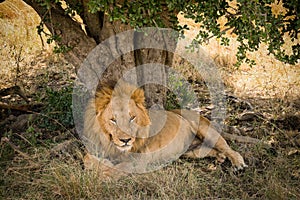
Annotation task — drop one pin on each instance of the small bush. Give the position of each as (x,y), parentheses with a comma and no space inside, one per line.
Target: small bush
(180,93)
(58,111)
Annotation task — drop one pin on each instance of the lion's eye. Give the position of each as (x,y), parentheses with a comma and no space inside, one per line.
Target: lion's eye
(132,118)
(113,120)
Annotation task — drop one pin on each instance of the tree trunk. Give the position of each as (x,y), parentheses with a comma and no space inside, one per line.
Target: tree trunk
(155,93)
(97,29)
(70,32)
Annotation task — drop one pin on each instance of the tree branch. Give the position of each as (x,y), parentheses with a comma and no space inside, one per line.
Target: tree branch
(222,32)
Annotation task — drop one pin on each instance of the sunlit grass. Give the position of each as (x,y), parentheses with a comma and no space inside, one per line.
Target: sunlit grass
(20,42)
(269,78)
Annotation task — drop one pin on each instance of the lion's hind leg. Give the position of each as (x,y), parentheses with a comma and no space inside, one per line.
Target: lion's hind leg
(213,140)
(213,143)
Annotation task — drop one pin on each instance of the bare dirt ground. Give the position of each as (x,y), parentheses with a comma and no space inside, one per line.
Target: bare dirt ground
(40,153)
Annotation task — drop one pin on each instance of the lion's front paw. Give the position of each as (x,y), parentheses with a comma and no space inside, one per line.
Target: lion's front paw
(237,161)
(107,170)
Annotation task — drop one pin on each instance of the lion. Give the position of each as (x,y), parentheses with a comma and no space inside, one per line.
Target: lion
(124,137)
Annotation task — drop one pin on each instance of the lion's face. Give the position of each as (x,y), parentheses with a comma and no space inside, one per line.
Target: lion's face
(123,118)
(120,122)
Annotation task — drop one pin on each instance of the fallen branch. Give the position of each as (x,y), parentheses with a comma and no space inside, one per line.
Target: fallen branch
(13,90)
(235,134)
(241,139)
(247,105)
(27,108)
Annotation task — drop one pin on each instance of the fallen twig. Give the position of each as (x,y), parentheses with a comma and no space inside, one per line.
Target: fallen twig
(13,90)
(27,108)
(242,139)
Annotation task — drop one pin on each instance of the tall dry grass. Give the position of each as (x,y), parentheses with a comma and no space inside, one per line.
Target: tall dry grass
(270,78)
(46,176)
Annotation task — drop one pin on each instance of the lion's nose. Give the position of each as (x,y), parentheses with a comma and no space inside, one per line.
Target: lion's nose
(125,140)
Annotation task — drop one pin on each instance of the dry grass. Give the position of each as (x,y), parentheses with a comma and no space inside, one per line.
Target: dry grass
(46,176)
(27,59)
(33,168)
(20,44)
(17,35)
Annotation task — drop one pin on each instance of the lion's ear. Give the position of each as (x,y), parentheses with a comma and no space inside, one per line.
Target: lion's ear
(103,98)
(143,116)
(138,97)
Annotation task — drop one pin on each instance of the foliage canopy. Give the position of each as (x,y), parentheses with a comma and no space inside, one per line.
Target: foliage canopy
(270,21)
